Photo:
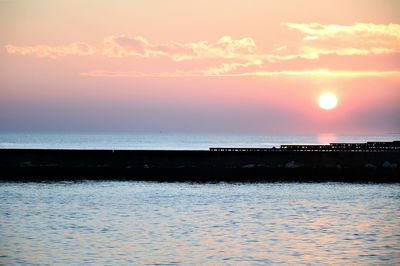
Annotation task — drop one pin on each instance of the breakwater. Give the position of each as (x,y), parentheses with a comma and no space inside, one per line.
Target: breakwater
(213,165)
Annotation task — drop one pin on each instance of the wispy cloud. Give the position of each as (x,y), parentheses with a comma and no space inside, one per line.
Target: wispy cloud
(138,74)
(322,73)
(235,53)
(226,47)
(207,73)
(356,39)
(77,48)
(228,56)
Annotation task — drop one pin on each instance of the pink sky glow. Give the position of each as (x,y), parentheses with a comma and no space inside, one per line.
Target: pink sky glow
(200,66)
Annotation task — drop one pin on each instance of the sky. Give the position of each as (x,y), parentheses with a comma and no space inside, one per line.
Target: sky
(205,66)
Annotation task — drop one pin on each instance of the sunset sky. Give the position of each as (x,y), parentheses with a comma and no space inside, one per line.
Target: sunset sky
(199,66)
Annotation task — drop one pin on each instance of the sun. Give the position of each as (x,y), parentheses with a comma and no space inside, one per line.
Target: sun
(327,101)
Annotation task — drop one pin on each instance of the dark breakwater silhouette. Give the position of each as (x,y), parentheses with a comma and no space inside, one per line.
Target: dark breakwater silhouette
(367,162)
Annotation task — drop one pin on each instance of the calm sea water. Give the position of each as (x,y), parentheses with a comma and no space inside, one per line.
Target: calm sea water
(139,223)
(172,141)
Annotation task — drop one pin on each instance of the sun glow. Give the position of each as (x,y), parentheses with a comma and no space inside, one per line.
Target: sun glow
(327,101)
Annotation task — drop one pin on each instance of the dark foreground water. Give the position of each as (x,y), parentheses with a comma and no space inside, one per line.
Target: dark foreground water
(179,223)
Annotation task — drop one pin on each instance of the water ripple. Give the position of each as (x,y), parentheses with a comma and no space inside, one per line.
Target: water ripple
(179,223)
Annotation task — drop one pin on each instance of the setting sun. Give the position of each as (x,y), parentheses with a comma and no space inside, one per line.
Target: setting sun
(327,101)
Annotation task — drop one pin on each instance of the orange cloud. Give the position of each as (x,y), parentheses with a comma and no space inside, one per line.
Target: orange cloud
(319,39)
(225,47)
(77,48)
(120,46)
(228,56)
(356,39)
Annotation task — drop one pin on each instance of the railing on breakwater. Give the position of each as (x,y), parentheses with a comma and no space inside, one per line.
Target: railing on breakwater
(393,146)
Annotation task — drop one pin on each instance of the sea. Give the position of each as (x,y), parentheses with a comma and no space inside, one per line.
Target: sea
(152,223)
(171,141)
